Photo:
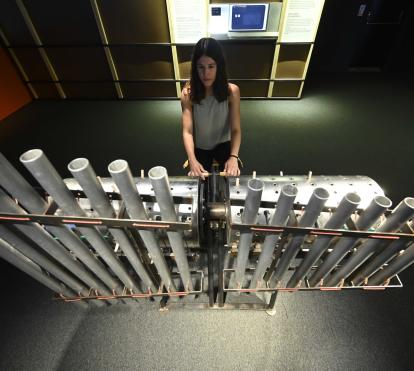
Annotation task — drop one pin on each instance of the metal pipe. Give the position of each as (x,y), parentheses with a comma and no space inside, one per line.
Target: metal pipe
(276,255)
(370,215)
(280,217)
(159,180)
(378,261)
(14,257)
(400,215)
(82,170)
(309,218)
(121,174)
(74,244)
(396,266)
(41,260)
(344,210)
(382,256)
(37,234)
(249,216)
(18,187)
(44,172)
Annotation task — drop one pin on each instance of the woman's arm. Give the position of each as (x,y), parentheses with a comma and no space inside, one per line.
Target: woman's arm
(232,166)
(196,169)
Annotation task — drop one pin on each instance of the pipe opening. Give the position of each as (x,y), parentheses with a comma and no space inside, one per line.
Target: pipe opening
(78,164)
(409,201)
(383,201)
(321,193)
(117,166)
(157,172)
(289,190)
(353,198)
(255,184)
(31,155)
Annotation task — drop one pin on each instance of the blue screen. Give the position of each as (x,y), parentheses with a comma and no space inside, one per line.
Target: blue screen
(248,17)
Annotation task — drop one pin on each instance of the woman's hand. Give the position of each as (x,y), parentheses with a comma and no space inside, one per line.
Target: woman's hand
(232,167)
(196,169)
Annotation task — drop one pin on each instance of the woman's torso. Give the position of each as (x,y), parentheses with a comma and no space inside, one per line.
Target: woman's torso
(211,122)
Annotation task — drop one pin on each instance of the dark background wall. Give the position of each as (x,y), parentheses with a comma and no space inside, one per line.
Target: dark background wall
(380,40)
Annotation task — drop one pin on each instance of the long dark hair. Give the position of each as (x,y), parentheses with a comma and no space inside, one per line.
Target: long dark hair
(210,48)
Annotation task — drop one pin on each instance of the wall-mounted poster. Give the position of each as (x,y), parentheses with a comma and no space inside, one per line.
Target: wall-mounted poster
(301,20)
(189,20)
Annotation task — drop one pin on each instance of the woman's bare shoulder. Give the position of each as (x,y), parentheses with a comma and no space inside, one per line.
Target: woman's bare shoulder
(234,91)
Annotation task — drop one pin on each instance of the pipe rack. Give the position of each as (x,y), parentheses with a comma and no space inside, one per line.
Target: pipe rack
(182,241)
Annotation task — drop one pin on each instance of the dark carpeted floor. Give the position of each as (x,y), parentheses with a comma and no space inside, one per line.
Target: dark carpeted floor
(343,125)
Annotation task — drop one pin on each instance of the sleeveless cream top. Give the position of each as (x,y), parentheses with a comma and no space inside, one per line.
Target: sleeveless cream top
(211,122)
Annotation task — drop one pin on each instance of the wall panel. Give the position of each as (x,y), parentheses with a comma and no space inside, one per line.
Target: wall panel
(132,21)
(13,93)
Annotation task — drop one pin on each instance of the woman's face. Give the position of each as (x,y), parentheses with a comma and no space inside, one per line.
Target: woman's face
(207,70)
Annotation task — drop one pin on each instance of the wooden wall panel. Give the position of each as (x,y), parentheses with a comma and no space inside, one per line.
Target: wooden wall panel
(143,62)
(286,89)
(32,63)
(79,63)
(256,89)
(184,61)
(150,89)
(292,60)
(135,21)
(64,21)
(46,90)
(99,90)
(12,24)
(249,60)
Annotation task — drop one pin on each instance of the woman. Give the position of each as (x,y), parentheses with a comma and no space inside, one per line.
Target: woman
(211,113)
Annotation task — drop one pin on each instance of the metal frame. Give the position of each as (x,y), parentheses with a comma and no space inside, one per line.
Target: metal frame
(285,230)
(94,294)
(307,287)
(82,221)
